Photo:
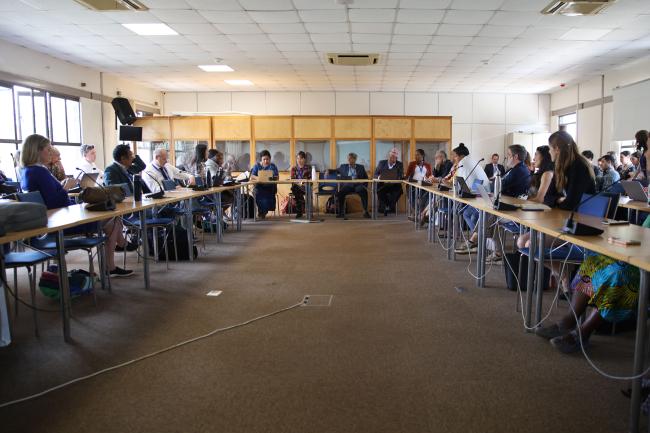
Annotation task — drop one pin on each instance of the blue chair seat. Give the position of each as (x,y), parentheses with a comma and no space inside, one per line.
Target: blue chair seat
(27,258)
(564,252)
(511,227)
(81,243)
(152,222)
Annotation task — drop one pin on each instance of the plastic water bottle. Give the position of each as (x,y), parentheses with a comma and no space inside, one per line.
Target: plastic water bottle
(314,176)
(497,184)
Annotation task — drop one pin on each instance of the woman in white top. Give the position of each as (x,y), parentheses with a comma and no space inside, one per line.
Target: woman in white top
(87,164)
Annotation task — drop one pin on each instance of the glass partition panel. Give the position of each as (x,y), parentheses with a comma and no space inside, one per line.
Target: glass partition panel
(146,148)
(279,153)
(360,147)
(431,147)
(317,152)
(236,153)
(382,147)
(184,150)
(7,125)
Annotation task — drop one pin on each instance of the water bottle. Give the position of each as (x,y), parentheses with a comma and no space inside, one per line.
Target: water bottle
(314,176)
(497,184)
(137,188)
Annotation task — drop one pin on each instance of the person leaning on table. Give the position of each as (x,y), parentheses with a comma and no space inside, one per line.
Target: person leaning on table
(353,171)
(160,169)
(36,152)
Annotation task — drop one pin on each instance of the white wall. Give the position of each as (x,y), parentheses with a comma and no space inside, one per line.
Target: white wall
(480,120)
(30,64)
(590,120)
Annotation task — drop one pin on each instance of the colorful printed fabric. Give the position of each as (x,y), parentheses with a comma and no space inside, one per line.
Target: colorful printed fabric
(612,286)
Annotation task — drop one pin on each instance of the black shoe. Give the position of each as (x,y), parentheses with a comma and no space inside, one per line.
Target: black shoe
(386,212)
(119,272)
(338,215)
(131,246)
(366,215)
(299,215)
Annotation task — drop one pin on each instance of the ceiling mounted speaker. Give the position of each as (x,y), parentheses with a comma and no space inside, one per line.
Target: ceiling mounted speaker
(352,59)
(123,111)
(576,7)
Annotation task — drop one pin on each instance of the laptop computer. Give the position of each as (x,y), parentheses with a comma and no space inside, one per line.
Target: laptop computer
(88,179)
(464,188)
(388,175)
(634,190)
(264,175)
(485,195)
(341,177)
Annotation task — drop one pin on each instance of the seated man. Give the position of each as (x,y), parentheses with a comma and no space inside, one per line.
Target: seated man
(300,171)
(354,171)
(388,194)
(160,169)
(118,172)
(609,174)
(494,168)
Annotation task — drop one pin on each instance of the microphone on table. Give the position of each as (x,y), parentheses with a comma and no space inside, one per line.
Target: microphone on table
(159,194)
(442,187)
(108,204)
(577,228)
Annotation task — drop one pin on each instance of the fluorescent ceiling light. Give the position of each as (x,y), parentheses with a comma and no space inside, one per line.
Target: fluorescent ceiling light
(239,82)
(151,29)
(216,68)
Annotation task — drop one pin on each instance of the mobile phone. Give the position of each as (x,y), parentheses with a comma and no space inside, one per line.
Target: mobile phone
(615,223)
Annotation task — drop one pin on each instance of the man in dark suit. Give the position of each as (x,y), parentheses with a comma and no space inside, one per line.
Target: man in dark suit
(354,171)
(492,168)
(389,193)
(119,171)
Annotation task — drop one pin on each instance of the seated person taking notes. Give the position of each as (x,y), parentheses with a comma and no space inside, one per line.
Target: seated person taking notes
(36,152)
(265,193)
(159,169)
(353,171)
(388,194)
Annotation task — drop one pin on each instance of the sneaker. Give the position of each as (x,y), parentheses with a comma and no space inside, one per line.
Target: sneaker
(467,249)
(494,259)
(366,215)
(119,272)
(550,332)
(568,343)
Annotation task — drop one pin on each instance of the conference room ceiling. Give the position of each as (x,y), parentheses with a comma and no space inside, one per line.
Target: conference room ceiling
(425,45)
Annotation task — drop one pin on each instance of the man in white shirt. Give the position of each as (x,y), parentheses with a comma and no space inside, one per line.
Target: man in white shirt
(87,163)
(159,169)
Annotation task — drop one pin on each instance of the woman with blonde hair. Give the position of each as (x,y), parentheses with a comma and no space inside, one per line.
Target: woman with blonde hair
(36,153)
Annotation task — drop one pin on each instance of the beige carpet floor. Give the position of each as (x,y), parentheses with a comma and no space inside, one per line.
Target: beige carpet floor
(400,348)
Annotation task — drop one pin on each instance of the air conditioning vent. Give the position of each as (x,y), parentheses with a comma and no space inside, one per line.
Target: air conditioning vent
(113,5)
(352,59)
(576,7)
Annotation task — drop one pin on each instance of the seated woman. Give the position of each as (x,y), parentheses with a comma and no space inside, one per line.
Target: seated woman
(265,193)
(418,170)
(36,153)
(300,171)
(612,287)
(442,166)
(543,175)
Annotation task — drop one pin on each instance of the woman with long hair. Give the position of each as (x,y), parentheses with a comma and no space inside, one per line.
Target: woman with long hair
(543,175)
(196,164)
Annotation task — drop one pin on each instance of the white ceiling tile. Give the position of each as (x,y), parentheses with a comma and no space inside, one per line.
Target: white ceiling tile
(195,29)
(420,16)
(408,48)
(502,31)
(458,30)
(411,39)
(372,28)
(295,47)
(370,38)
(524,5)
(290,38)
(275,17)
(415,29)
(234,29)
(316,4)
(249,39)
(425,4)
(539,32)
(451,40)
(326,27)
(323,48)
(364,48)
(473,4)
(283,28)
(481,49)
(226,17)
(515,18)
(335,38)
(266,5)
(498,42)
(371,15)
(323,16)
(584,34)
(626,34)
(177,16)
(467,17)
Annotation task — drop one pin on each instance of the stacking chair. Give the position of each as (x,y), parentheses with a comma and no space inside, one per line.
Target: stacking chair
(326,189)
(85,243)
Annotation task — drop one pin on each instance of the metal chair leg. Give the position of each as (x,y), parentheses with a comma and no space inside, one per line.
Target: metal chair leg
(31,272)
(155,244)
(175,243)
(166,248)
(15,292)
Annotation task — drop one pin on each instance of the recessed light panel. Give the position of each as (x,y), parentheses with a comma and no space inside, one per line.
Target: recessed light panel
(151,29)
(216,68)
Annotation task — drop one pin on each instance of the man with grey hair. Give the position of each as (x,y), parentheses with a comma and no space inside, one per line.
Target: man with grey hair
(352,170)
(160,169)
(87,163)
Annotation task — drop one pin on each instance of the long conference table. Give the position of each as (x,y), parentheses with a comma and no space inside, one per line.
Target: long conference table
(540,223)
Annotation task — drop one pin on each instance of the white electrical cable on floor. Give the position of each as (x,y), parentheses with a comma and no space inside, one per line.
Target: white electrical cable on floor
(150,355)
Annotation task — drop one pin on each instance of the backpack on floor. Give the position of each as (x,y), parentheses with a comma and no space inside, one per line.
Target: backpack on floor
(332,206)
(79,282)
(513,260)
(180,241)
